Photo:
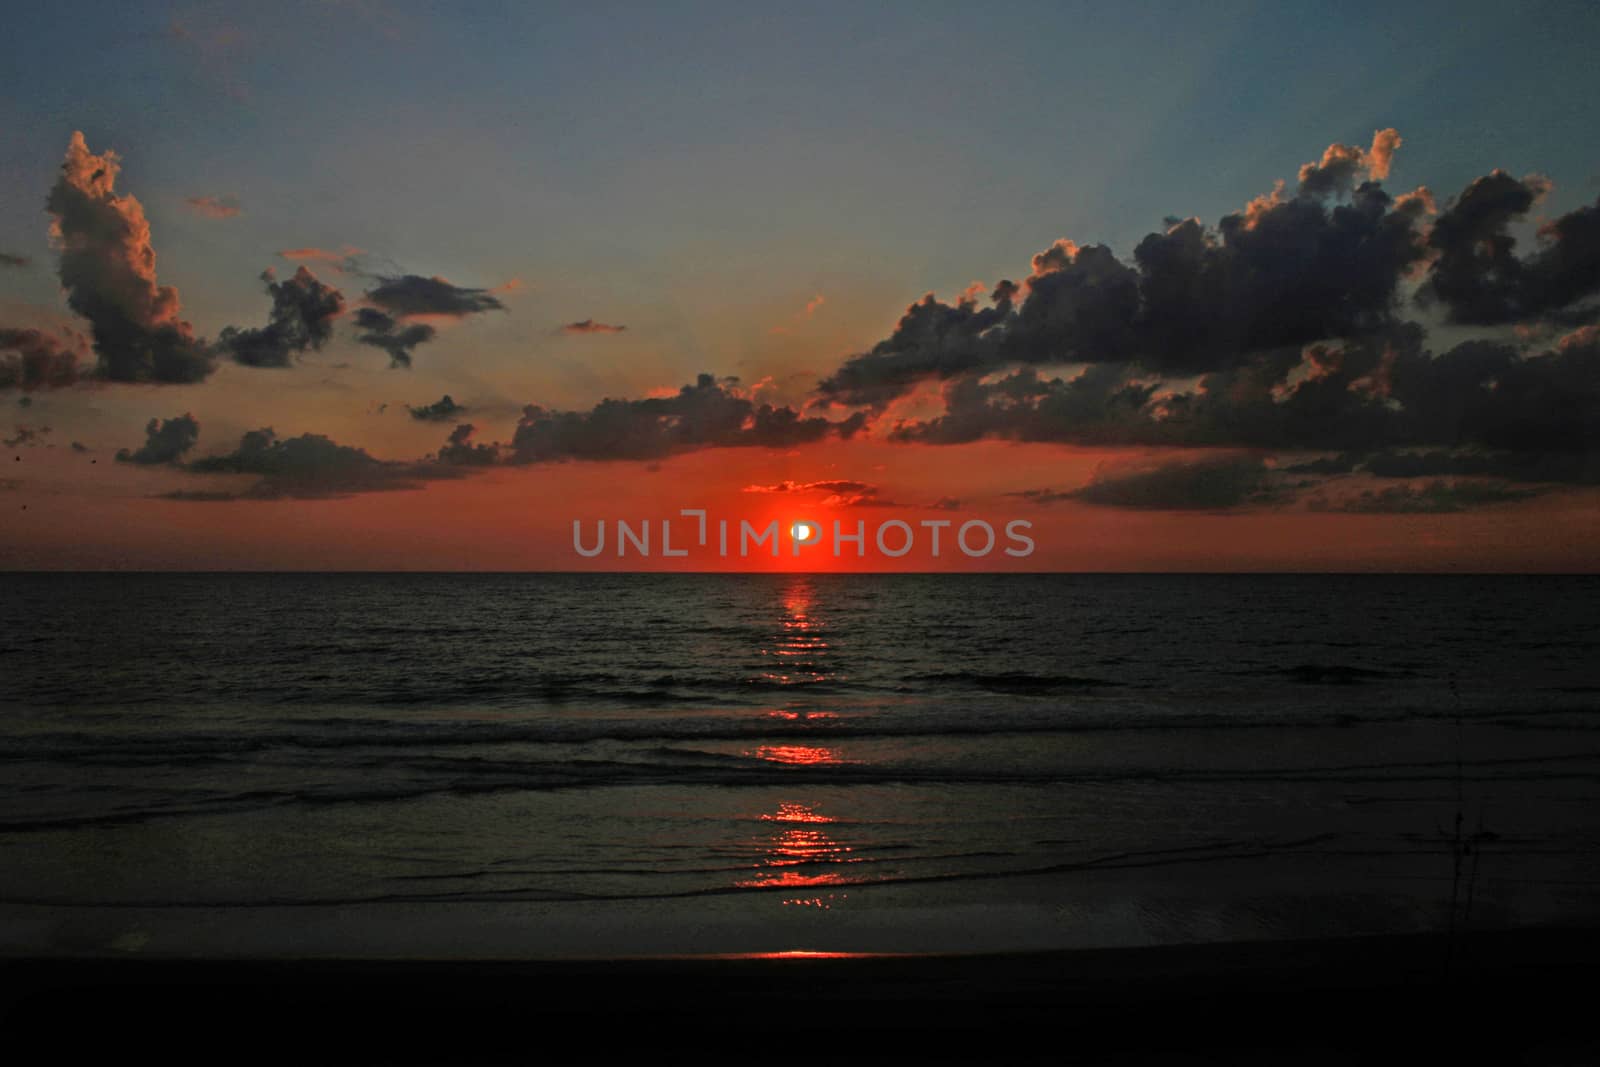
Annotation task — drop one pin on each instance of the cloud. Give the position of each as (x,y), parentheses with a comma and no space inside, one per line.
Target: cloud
(214,207)
(107,268)
(591,326)
(1433,498)
(1342,165)
(1477,275)
(310,466)
(165,441)
(711,413)
(1325,263)
(833,486)
(442,410)
(1386,391)
(303,310)
(34,359)
(412,296)
(459,450)
(385,332)
(1209,483)
(343,261)
(841,492)
(9,260)
(26,435)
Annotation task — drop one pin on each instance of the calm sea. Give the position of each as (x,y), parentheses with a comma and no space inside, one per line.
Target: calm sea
(559,765)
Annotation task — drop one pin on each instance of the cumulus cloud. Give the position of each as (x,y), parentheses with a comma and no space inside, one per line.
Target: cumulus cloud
(1284,329)
(1342,165)
(165,441)
(1477,275)
(442,410)
(711,413)
(302,316)
(214,207)
(591,326)
(1283,272)
(35,359)
(384,331)
(108,270)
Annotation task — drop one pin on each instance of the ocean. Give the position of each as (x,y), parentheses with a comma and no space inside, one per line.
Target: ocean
(554,766)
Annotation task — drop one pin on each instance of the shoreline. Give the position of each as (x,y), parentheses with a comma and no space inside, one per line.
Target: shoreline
(1520,993)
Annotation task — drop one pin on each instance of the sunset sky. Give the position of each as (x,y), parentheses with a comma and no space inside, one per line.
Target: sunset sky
(356,285)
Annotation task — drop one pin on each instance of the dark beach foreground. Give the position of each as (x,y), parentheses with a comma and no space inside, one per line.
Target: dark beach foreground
(1493,997)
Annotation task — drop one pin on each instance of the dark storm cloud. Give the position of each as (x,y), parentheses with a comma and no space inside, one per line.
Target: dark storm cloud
(711,413)
(442,410)
(411,295)
(34,359)
(1208,483)
(165,441)
(303,311)
(460,450)
(385,332)
(310,466)
(107,268)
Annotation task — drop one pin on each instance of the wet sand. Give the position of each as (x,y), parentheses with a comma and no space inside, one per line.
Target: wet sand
(1515,996)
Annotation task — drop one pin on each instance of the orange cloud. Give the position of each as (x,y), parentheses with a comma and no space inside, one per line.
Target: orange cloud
(214,207)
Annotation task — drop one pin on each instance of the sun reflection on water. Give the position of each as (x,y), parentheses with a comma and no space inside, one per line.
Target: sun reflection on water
(799,853)
(798,645)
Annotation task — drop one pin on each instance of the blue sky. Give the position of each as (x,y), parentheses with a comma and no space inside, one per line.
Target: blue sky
(638,151)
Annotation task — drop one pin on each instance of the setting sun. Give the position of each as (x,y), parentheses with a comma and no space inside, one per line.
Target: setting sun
(804,532)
